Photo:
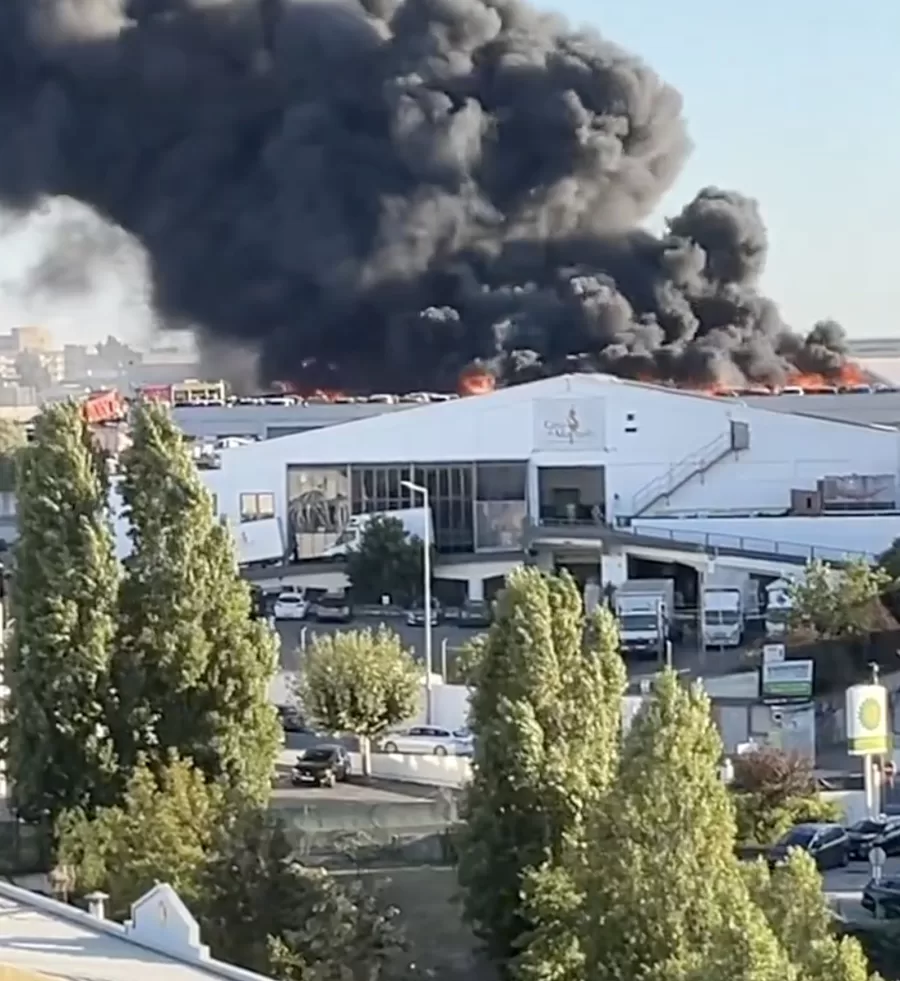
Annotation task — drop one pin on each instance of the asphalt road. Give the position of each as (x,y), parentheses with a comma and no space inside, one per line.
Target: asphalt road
(844,887)
(294,634)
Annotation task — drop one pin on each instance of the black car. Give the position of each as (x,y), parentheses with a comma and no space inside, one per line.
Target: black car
(475,613)
(882,832)
(827,843)
(322,765)
(291,719)
(882,898)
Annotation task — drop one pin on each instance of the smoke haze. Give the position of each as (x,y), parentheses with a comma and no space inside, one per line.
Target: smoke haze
(375,194)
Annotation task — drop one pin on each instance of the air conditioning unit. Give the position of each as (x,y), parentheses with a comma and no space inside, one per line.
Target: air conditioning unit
(806,501)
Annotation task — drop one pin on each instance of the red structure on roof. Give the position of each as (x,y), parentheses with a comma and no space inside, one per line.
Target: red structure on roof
(100,407)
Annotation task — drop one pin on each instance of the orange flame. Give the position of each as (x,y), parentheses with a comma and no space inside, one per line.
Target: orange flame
(849,374)
(476,381)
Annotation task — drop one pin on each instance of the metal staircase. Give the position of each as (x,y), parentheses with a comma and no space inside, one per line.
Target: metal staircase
(693,465)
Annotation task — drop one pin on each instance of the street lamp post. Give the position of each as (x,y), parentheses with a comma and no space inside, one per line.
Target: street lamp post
(426,587)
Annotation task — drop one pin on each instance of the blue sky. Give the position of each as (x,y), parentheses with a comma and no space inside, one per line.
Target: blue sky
(796,103)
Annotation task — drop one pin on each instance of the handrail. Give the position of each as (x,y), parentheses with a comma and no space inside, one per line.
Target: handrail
(710,540)
(679,472)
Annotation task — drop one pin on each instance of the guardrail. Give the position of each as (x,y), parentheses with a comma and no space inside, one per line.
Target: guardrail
(715,541)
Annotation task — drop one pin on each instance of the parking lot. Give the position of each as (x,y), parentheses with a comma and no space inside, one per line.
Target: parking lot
(295,634)
(844,887)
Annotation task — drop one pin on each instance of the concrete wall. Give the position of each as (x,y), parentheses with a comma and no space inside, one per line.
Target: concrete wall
(432,771)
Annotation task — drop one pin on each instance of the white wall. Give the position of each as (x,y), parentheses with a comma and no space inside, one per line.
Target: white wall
(785,451)
(745,684)
(854,533)
(435,771)
(636,431)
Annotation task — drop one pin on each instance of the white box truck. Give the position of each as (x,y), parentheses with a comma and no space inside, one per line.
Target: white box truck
(723,616)
(779,603)
(645,610)
(414,521)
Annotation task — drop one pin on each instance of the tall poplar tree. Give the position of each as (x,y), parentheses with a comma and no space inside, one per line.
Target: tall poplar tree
(59,755)
(798,913)
(546,714)
(666,900)
(192,669)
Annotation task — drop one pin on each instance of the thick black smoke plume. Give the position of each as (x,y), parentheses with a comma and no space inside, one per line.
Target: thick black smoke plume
(375,194)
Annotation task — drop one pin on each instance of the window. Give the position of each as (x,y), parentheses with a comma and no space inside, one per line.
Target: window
(257,507)
(501,481)
(215,503)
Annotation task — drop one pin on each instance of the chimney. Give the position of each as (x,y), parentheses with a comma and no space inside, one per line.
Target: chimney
(97,904)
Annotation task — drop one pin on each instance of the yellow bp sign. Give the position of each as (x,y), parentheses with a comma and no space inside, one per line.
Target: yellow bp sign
(868,728)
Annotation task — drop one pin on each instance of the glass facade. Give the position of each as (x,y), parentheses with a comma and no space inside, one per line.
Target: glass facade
(318,507)
(380,488)
(474,506)
(450,491)
(501,505)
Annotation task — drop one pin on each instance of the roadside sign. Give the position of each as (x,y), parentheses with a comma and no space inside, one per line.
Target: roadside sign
(867,721)
(786,681)
(774,653)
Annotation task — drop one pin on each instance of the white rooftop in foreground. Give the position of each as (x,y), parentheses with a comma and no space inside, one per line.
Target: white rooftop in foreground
(159,943)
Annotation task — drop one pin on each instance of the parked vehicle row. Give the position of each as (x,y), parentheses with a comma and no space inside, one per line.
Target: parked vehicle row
(833,846)
(294,603)
(327,764)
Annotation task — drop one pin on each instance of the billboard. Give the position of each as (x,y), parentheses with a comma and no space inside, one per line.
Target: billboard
(786,681)
(868,726)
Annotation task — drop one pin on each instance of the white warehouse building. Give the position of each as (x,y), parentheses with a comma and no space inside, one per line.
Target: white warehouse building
(589,471)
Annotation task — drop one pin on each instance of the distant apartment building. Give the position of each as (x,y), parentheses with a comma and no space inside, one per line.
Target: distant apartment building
(36,340)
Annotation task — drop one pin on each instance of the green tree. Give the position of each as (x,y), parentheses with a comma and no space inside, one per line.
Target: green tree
(63,604)
(798,914)
(772,791)
(192,669)
(264,911)
(161,832)
(359,682)
(546,716)
(666,900)
(388,562)
(889,562)
(12,442)
(829,603)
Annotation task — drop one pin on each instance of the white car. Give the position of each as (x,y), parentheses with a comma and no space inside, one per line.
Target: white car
(429,741)
(291,606)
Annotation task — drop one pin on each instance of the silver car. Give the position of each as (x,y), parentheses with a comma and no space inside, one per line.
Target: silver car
(428,741)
